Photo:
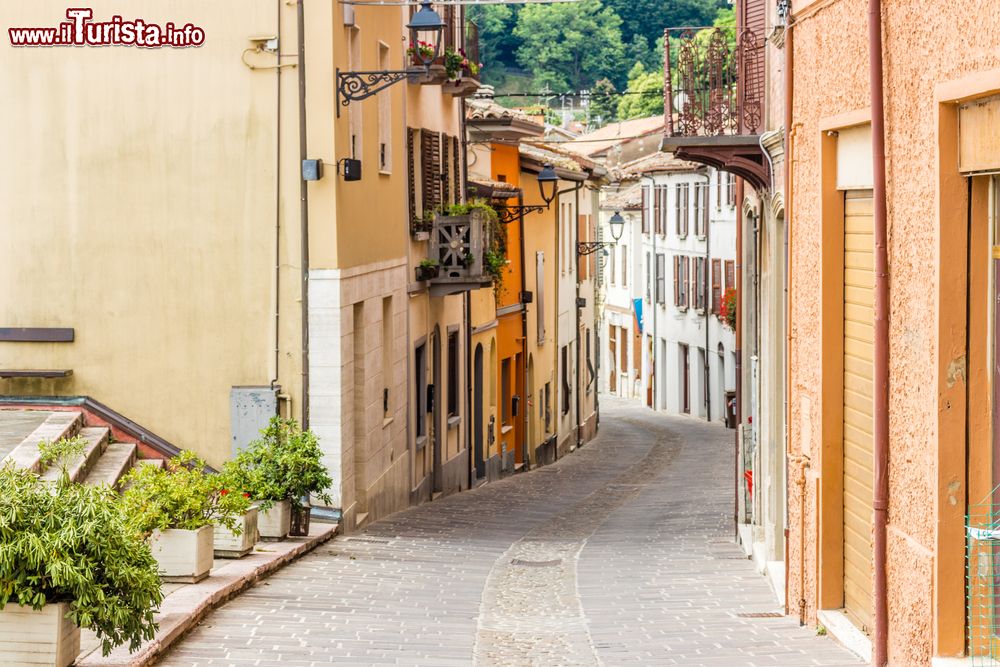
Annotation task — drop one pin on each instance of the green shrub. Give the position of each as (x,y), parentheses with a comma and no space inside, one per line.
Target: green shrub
(283,464)
(72,543)
(61,452)
(182,495)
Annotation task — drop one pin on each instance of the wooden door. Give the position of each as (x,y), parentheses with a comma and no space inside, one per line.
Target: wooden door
(613,374)
(685,380)
(859,329)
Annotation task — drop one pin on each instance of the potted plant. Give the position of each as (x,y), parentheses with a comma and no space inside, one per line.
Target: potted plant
(419,53)
(236,543)
(280,469)
(176,507)
(428,269)
(727,310)
(71,559)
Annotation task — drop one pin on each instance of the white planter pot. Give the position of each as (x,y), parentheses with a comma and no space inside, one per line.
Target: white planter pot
(184,556)
(44,637)
(230,545)
(275,523)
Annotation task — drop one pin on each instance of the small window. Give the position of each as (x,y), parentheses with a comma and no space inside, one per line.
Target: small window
(624,266)
(661,266)
(612,255)
(453,374)
(384,115)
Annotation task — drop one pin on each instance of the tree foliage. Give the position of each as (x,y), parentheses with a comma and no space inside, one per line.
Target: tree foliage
(73,543)
(649,98)
(603,103)
(649,18)
(567,46)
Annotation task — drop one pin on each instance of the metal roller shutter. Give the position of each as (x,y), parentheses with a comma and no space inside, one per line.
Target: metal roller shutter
(859,318)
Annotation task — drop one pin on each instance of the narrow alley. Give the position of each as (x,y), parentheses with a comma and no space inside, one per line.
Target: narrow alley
(620,554)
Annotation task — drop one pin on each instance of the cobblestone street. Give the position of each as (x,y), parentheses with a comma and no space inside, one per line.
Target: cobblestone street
(621,553)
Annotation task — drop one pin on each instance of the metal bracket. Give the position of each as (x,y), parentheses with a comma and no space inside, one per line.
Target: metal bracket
(590,247)
(357,86)
(508,214)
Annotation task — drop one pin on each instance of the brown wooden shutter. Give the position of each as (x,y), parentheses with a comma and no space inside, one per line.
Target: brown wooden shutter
(730,274)
(445,176)
(716,285)
(459,161)
(645,213)
(677,209)
(411,173)
(430,169)
(677,282)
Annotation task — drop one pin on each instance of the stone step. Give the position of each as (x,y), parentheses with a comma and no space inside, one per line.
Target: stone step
(97,438)
(57,425)
(117,459)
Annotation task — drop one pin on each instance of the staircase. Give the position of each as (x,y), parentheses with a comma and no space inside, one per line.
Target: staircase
(101,461)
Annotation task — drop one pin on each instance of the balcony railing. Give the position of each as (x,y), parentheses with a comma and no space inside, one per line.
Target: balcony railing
(713,82)
(458,245)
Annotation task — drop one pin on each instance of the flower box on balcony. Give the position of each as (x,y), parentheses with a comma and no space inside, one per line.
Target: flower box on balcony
(425,272)
(435,75)
(463,86)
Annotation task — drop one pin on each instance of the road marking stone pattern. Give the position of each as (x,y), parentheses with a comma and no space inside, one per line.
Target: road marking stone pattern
(620,553)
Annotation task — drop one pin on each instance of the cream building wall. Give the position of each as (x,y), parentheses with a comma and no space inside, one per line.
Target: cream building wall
(141,204)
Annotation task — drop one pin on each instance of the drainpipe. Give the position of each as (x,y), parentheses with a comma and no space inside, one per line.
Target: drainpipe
(789,82)
(706,270)
(739,352)
(576,271)
(881,370)
(652,291)
(277,206)
(524,335)
(304,214)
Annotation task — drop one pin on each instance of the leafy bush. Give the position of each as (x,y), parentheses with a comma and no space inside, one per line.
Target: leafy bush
(73,543)
(61,452)
(727,310)
(283,464)
(182,495)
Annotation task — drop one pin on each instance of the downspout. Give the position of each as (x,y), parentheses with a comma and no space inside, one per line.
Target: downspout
(304,214)
(707,289)
(576,271)
(881,367)
(277,207)
(739,352)
(652,292)
(467,297)
(789,81)
(524,333)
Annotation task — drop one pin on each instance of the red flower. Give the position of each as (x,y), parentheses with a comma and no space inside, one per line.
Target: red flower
(223,492)
(246,495)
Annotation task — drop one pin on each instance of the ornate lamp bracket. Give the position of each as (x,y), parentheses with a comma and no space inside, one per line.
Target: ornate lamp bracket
(357,86)
(590,247)
(509,214)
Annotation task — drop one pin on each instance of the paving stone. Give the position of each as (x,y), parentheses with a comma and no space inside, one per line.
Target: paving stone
(620,553)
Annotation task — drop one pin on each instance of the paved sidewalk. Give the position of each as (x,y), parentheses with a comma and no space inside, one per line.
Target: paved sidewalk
(620,553)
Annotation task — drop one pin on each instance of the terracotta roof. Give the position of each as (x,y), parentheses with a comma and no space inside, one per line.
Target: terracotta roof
(628,198)
(654,162)
(483,107)
(599,141)
(542,153)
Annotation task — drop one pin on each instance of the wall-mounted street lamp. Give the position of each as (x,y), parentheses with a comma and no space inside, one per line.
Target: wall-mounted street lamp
(548,184)
(425,27)
(617,223)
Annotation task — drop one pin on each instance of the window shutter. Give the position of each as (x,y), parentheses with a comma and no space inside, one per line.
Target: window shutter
(430,169)
(716,285)
(677,209)
(656,210)
(540,289)
(645,213)
(459,161)
(677,284)
(411,172)
(445,176)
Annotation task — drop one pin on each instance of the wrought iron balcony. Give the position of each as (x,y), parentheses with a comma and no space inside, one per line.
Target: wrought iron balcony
(714,99)
(458,245)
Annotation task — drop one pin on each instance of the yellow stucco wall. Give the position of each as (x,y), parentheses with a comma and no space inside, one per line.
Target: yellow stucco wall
(138,205)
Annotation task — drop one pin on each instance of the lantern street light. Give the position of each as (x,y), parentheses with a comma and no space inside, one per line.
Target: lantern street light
(548,184)
(617,224)
(426,29)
